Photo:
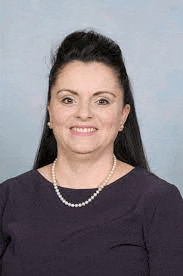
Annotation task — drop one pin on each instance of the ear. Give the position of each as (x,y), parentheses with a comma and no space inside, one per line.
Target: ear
(49,112)
(49,122)
(124,115)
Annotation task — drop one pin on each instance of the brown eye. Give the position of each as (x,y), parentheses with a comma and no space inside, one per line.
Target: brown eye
(103,102)
(67,100)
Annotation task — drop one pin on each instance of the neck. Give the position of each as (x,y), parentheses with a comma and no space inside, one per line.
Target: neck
(81,171)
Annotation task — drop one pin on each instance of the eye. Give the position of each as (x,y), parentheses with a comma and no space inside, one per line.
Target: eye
(67,100)
(103,102)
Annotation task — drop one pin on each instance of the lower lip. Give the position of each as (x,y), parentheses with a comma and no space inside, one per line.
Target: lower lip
(76,133)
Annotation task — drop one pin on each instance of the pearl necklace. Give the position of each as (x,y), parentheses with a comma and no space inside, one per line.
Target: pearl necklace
(102,185)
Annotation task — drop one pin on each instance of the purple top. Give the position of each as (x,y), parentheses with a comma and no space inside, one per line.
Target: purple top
(133,227)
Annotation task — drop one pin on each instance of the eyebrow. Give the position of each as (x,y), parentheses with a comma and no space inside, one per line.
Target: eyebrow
(95,94)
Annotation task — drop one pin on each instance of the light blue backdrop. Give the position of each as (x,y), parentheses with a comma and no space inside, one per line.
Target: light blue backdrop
(150,34)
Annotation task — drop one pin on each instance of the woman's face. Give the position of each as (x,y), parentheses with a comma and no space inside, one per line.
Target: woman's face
(86,108)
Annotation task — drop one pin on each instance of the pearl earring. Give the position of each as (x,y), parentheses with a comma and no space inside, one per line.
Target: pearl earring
(121,127)
(49,125)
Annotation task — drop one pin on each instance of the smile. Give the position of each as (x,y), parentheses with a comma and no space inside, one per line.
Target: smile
(84,130)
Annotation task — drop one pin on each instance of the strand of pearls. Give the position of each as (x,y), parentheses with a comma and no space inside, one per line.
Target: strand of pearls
(102,185)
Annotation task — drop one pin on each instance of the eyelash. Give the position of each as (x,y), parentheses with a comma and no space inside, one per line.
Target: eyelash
(68,100)
(104,100)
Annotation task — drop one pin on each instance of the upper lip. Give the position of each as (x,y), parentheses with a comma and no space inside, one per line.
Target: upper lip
(83,126)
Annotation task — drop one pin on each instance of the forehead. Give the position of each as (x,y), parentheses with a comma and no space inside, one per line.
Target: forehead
(80,76)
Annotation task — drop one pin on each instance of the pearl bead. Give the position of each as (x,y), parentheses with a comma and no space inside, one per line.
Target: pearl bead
(81,204)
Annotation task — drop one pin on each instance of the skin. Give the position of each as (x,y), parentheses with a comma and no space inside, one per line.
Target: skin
(86,96)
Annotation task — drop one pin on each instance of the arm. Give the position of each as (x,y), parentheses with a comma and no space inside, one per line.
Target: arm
(164,238)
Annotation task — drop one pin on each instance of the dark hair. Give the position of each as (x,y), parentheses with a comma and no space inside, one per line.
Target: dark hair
(88,46)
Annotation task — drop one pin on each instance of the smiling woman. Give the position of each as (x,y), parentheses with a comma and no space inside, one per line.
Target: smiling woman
(90,206)
(86,101)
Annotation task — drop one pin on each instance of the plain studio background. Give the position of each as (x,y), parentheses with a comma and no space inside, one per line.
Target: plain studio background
(150,34)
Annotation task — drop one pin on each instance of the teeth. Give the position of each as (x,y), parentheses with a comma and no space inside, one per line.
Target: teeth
(79,129)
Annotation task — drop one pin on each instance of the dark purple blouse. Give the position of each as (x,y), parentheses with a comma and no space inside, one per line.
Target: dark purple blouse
(133,228)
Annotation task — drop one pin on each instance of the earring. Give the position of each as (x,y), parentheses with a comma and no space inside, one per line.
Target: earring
(121,127)
(49,125)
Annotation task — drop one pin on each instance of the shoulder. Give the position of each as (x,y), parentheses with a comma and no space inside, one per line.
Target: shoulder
(152,188)
(148,194)
(46,172)
(142,179)
(24,177)
(14,185)
(148,181)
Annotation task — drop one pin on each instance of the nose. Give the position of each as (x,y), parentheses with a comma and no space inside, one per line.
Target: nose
(84,111)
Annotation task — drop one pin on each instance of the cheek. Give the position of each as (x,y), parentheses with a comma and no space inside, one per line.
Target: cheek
(59,117)
(113,121)
(112,124)
(112,118)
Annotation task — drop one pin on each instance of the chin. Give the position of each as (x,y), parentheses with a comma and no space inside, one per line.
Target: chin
(83,150)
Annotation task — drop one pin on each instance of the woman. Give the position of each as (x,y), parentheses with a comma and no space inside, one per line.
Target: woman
(90,206)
